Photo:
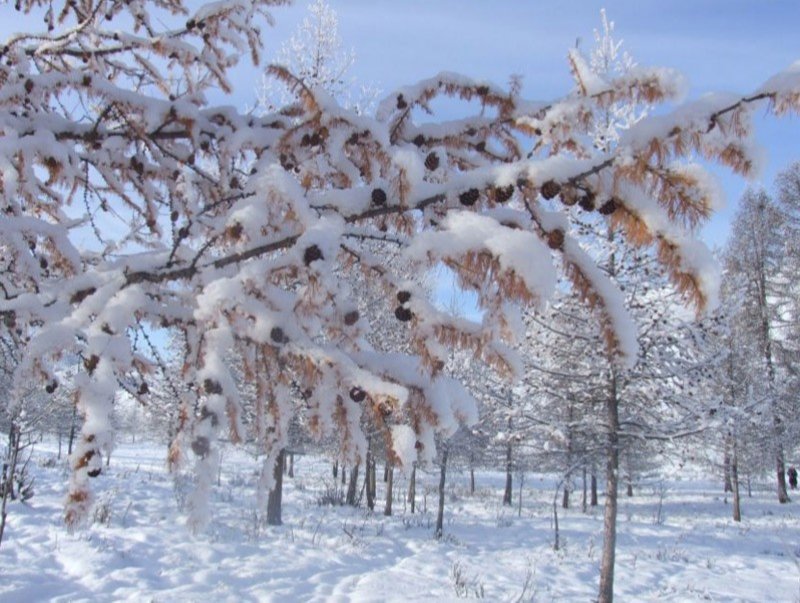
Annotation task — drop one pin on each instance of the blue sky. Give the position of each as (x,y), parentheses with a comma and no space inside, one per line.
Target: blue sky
(720,45)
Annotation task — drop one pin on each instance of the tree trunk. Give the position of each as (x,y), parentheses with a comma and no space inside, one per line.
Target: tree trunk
(274,499)
(734,475)
(780,467)
(440,512)
(72,430)
(386,472)
(387,509)
(629,489)
(412,488)
(593,483)
(583,481)
(344,475)
(606,590)
(472,480)
(565,496)
(507,494)
(373,482)
(726,468)
(291,464)
(369,477)
(7,475)
(335,469)
(351,487)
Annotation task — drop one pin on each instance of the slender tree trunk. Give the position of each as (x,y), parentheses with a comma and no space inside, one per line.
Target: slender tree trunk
(780,468)
(291,464)
(583,481)
(726,468)
(472,480)
(629,488)
(335,469)
(59,444)
(386,472)
(412,488)
(369,476)
(7,476)
(274,499)
(593,489)
(507,494)
(72,430)
(352,486)
(387,509)
(606,591)
(373,482)
(734,474)
(344,474)
(442,478)
(565,496)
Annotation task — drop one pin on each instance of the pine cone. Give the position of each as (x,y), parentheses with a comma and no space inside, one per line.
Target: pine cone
(432,161)
(555,239)
(378,197)
(503,193)
(469,198)
(357,394)
(402,314)
(587,201)
(312,254)
(609,207)
(550,189)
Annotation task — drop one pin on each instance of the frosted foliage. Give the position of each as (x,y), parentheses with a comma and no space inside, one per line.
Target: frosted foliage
(608,60)
(315,54)
(284,254)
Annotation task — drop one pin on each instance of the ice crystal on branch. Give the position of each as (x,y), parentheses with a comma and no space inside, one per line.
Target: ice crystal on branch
(130,205)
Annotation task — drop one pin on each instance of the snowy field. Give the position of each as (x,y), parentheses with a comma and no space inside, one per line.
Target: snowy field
(676,542)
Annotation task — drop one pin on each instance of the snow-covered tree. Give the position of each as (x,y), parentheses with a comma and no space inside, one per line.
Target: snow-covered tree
(316,55)
(241,231)
(760,261)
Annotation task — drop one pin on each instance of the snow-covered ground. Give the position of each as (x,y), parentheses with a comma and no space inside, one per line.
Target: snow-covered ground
(138,547)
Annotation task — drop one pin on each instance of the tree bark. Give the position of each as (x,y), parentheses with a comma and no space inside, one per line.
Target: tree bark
(72,430)
(387,509)
(442,478)
(780,468)
(291,464)
(369,476)
(412,488)
(373,482)
(508,491)
(335,469)
(565,496)
(606,590)
(734,474)
(274,499)
(472,480)
(583,481)
(593,483)
(726,468)
(351,487)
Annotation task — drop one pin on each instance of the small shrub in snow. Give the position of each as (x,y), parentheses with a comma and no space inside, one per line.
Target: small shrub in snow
(464,585)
